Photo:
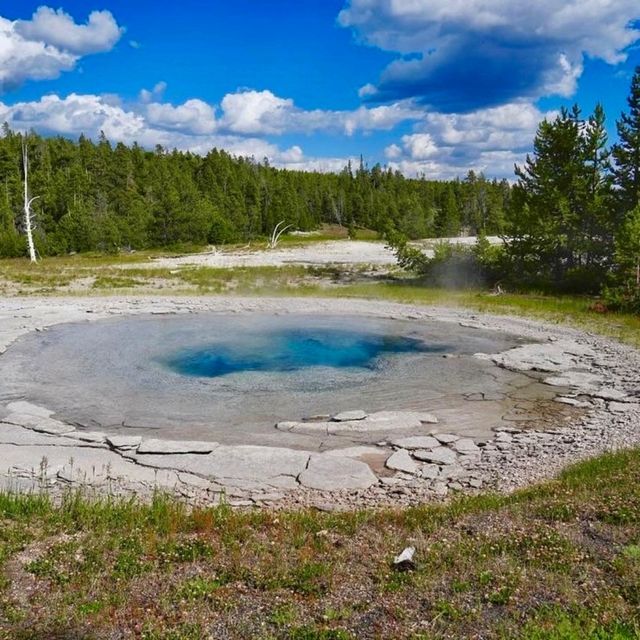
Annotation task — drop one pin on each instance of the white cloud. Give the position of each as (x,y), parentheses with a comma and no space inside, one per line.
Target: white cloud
(251,112)
(154,94)
(478,53)
(50,44)
(489,140)
(194,116)
(58,29)
(261,112)
(187,127)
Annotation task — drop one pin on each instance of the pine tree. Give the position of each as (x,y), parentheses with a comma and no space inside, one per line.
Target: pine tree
(558,218)
(626,152)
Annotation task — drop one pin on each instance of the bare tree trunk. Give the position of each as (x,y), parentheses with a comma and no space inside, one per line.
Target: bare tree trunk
(27,204)
(275,235)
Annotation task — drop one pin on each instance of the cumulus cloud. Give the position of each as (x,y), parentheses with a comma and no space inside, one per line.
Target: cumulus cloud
(448,145)
(50,43)
(188,127)
(261,112)
(194,116)
(474,54)
(58,29)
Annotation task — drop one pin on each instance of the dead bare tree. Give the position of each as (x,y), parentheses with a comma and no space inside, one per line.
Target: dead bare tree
(275,235)
(28,216)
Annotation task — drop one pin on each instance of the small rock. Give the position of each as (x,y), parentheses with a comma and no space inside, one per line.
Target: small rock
(328,473)
(440,489)
(402,461)
(446,438)
(346,416)
(439,455)
(430,471)
(465,445)
(416,442)
(453,472)
(404,561)
(286,425)
(427,418)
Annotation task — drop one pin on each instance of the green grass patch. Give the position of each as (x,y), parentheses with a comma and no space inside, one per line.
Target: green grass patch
(516,566)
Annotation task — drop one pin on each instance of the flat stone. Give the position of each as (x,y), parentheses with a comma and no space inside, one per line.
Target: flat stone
(445,438)
(246,466)
(553,357)
(346,416)
(465,445)
(430,471)
(416,442)
(124,442)
(379,421)
(453,472)
(89,466)
(13,434)
(623,407)
(469,459)
(402,461)
(608,393)
(582,380)
(22,406)
(39,423)
(330,473)
(426,418)
(152,446)
(440,455)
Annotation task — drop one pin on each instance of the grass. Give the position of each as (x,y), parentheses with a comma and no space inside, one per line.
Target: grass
(559,560)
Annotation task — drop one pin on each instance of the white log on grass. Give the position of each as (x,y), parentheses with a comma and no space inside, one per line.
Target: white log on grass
(28,217)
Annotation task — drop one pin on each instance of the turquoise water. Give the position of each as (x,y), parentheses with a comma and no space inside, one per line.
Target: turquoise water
(292,350)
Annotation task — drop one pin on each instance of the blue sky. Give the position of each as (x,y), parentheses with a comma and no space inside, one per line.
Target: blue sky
(427,86)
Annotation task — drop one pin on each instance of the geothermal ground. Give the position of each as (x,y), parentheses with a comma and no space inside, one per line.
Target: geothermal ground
(553,396)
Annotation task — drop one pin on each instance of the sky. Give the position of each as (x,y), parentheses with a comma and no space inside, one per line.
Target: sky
(427,87)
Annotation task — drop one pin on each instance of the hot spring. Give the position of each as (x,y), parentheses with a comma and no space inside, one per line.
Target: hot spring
(230,377)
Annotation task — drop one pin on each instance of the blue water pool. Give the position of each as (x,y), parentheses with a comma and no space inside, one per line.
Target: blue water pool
(294,349)
(231,376)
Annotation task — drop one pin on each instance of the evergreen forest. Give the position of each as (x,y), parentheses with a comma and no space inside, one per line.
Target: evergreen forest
(104,197)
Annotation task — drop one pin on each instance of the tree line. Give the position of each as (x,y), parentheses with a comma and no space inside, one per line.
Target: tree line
(96,196)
